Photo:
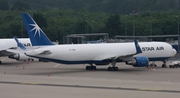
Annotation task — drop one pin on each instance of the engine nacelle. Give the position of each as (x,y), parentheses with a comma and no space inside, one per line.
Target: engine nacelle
(19,57)
(139,61)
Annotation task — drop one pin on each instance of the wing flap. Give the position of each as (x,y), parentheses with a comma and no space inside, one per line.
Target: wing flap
(44,52)
(37,52)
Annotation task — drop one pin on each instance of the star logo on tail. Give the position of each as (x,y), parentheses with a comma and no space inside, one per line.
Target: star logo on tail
(36,28)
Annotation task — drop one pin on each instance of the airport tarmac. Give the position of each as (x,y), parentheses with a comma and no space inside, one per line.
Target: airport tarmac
(45,80)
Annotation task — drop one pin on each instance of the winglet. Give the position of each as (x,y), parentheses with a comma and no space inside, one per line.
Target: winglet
(19,43)
(36,35)
(138,49)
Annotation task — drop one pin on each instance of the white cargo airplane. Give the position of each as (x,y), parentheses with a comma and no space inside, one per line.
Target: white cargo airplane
(134,54)
(9,43)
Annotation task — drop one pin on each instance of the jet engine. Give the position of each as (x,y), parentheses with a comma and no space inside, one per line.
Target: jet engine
(140,61)
(20,57)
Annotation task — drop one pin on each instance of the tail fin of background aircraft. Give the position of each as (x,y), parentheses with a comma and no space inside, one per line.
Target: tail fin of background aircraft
(175,46)
(36,35)
(19,44)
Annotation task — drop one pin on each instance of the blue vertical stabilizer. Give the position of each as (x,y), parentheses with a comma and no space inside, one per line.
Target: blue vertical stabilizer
(36,35)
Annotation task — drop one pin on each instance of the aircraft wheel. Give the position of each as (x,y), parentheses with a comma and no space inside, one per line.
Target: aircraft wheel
(155,65)
(94,67)
(164,66)
(87,67)
(0,62)
(40,60)
(113,68)
(176,66)
(170,66)
(116,68)
(90,67)
(109,69)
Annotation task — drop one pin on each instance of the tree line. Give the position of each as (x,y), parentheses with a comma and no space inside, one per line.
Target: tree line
(57,23)
(107,6)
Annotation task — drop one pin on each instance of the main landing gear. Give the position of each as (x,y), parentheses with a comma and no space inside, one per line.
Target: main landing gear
(91,67)
(152,65)
(164,65)
(0,62)
(113,68)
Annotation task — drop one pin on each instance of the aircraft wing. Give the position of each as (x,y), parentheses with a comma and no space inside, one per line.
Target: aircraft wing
(125,57)
(14,51)
(4,49)
(42,52)
(38,52)
(115,57)
(31,51)
(17,49)
(5,52)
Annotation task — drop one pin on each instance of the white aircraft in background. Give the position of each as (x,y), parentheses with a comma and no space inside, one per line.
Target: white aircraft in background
(131,53)
(6,44)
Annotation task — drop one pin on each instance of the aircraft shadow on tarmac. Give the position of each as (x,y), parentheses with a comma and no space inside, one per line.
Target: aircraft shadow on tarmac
(98,70)
(14,63)
(55,72)
(61,71)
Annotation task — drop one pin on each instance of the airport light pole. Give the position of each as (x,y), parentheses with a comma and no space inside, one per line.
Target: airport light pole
(22,30)
(85,23)
(178,24)
(150,28)
(92,26)
(178,35)
(126,25)
(133,14)
(133,27)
